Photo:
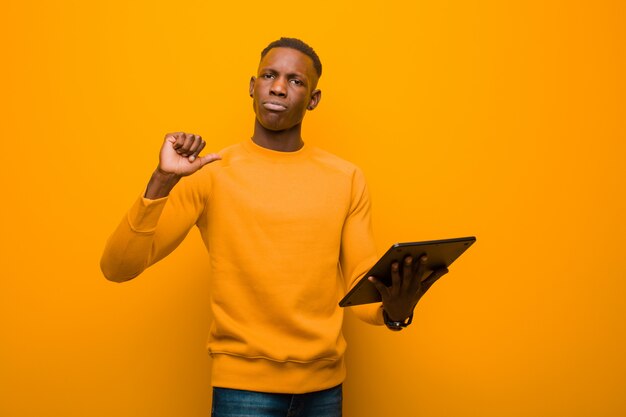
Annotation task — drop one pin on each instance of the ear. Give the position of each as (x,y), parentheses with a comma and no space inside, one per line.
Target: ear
(316,96)
(252,80)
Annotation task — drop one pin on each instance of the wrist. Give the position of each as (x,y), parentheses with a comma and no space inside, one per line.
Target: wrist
(165,176)
(396,325)
(160,184)
(397,312)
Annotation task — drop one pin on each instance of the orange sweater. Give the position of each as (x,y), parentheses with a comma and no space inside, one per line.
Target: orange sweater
(287,233)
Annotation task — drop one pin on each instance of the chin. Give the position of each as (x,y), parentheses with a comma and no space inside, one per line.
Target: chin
(274,127)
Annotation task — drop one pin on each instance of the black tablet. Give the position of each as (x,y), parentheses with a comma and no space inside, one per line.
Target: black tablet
(440,253)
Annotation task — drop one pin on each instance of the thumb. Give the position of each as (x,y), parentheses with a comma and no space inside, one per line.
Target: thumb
(207,159)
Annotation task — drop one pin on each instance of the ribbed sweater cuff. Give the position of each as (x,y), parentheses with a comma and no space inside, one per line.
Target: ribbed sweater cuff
(144,215)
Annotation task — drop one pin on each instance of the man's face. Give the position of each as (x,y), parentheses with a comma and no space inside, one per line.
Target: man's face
(284,88)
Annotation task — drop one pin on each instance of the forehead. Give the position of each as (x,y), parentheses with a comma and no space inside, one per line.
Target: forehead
(287,60)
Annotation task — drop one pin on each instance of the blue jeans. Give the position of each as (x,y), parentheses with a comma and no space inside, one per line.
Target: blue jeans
(238,403)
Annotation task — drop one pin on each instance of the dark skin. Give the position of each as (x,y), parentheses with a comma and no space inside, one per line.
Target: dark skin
(409,282)
(283,90)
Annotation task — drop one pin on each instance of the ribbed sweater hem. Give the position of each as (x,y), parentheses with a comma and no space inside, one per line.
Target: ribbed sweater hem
(264,375)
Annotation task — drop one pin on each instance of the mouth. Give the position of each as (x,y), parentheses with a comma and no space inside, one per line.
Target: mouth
(274,106)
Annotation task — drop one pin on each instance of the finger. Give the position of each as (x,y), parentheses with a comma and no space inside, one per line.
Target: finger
(382,288)
(171,137)
(195,145)
(195,154)
(419,273)
(207,159)
(407,273)
(432,278)
(180,140)
(189,141)
(396,282)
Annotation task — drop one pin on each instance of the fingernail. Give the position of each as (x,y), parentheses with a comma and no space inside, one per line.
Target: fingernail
(192,158)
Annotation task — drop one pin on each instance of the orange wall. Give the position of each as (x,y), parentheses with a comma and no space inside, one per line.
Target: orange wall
(499,119)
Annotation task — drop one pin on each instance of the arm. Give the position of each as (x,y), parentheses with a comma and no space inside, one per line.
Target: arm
(358,251)
(409,280)
(160,220)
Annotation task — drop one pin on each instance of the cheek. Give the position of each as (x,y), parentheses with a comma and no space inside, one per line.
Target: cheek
(305,104)
(258,87)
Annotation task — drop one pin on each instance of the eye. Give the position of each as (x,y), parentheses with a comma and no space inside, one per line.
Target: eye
(297,81)
(267,76)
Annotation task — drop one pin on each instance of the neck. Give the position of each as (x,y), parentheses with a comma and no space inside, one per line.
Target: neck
(288,140)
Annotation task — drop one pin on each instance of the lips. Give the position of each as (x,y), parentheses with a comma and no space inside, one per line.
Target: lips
(274,106)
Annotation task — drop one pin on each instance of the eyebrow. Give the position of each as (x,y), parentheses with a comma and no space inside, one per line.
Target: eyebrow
(270,69)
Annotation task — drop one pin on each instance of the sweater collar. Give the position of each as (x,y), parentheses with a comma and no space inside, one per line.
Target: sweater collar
(253,148)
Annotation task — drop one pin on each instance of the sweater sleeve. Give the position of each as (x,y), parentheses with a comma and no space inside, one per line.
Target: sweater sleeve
(151,230)
(358,251)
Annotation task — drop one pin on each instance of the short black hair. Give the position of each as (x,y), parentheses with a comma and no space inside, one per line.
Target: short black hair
(296,44)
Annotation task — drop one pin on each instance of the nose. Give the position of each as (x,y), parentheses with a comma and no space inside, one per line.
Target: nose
(278,87)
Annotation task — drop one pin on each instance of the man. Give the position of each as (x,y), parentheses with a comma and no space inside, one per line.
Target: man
(288,228)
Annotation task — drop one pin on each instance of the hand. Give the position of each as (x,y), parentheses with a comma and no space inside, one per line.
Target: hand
(179,154)
(407,287)
(178,158)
